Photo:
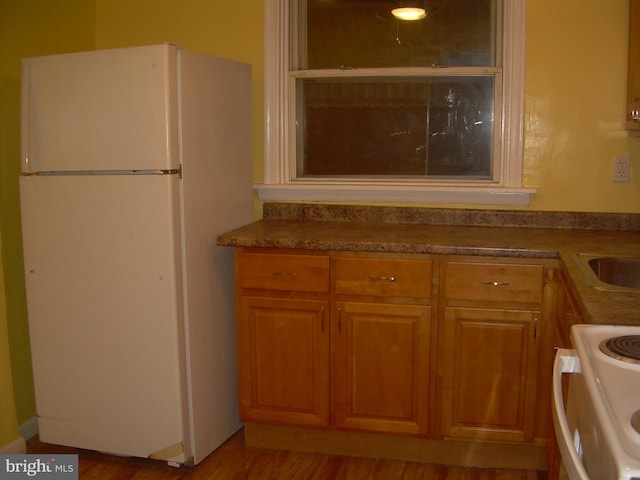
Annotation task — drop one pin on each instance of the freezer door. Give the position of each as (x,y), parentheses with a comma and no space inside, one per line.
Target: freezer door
(102,267)
(101,110)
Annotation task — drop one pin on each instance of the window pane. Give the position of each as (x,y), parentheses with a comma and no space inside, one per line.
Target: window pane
(401,127)
(363,33)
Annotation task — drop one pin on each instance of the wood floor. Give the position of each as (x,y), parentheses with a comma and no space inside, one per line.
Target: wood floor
(234,461)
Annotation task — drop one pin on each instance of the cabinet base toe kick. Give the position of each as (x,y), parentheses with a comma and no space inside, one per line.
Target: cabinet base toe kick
(412,449)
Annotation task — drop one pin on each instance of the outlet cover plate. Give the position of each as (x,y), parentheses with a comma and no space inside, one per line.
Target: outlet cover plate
(621,169)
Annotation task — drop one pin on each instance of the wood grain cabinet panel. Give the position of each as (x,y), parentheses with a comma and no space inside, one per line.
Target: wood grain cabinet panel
(438,348)
(382,367)
(283,361)
(495,320)
(283,336)
(383,277)
(489,366)
(382,341)
(498,282)
(283,272)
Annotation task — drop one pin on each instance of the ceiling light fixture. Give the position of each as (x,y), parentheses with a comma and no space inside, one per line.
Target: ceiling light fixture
(409,13)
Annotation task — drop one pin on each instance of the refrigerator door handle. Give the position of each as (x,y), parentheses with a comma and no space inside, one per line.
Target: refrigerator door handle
(25,97)
(173,171)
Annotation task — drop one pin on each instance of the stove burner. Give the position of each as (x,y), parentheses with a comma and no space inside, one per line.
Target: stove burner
(635,421)
(625,348)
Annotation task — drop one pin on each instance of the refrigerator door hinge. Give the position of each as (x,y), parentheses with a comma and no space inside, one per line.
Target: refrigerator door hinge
(172,171)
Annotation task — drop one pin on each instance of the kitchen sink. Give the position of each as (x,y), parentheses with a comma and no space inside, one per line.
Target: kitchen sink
(609,272)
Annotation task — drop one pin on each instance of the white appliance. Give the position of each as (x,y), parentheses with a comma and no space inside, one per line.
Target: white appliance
(133,161)
(599,431)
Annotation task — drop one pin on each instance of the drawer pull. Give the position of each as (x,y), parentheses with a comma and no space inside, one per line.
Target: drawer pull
(496,284)
(383,279)
(284,274)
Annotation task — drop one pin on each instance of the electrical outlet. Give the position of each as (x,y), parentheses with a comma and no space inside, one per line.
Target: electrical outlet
(621,169)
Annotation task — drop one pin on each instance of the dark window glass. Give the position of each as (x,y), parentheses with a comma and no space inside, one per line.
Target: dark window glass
(363,33)
(376,127)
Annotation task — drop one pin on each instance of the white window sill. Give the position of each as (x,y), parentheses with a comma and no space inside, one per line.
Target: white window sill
(515,197)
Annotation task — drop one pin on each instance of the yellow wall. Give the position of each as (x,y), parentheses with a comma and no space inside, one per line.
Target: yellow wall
(8,419)
(576,75)
(575,106)
(27,28)
(230,29)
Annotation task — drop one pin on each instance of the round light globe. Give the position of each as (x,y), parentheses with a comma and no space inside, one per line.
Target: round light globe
(409,13)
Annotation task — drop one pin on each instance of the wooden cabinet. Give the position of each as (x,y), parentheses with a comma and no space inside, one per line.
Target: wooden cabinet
(283,338)
(633,83)
(440,350)
(382,344)
(489,351)
(568,315)
(489,373)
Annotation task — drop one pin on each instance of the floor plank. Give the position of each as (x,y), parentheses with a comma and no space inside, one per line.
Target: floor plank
(234,461)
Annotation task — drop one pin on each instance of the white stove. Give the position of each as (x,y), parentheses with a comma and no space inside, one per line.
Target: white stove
(599,434)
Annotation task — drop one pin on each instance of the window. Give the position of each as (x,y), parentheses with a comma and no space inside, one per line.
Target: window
(363,107)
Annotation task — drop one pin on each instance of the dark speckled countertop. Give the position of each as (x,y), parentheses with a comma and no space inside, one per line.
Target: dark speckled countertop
(522,234)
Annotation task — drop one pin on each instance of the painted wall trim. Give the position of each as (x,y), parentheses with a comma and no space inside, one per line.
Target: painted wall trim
(29,428)
(401,194)
(17,446)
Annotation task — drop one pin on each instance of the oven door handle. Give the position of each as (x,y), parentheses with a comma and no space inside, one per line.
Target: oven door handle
(566,361)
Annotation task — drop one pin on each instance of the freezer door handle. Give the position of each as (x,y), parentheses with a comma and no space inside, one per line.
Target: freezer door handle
(25,96)
(173,171)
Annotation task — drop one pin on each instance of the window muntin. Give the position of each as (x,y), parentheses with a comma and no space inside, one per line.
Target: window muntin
(372,101)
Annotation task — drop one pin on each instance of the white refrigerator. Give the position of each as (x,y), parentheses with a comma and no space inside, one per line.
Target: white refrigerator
(133,161)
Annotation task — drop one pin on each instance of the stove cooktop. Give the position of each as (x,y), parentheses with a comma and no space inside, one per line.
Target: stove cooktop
(611,373)
(625,348)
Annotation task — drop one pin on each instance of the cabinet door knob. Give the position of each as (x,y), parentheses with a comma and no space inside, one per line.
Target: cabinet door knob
(284,274)
(496,284)
(635,110)
(383,279)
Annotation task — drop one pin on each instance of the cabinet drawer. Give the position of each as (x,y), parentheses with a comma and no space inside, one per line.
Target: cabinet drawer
(299,273)
(500,282)
(383,277)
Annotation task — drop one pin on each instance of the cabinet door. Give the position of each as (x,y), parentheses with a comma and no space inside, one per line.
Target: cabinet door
(489,372)
(283,361)
(382,367)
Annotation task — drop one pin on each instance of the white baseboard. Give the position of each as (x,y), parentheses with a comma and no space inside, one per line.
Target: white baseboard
(29,428)
(18,446)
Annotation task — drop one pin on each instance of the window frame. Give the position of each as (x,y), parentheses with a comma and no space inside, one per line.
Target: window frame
(279,165)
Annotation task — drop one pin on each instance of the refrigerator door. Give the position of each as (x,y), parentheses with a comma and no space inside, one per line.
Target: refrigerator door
(101,110)
(102,267)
